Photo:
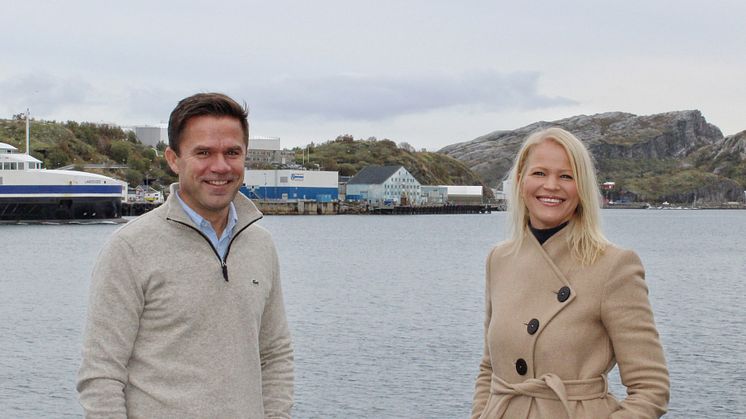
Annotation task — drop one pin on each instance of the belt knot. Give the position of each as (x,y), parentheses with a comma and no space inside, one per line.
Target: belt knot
(549,386)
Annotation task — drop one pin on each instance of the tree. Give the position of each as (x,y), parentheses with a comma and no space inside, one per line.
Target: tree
(119,152)
(163,164)
(57,158)
(347,169)
(406,147)
(387,143)
(346,138)
(149,154)
(329,164)
(133,177)
(136,163)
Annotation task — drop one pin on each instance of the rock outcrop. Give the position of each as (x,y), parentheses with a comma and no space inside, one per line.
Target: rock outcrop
(721,190)
(628,149)
(733,145)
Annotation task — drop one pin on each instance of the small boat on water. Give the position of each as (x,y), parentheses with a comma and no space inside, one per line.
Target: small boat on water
(30,192)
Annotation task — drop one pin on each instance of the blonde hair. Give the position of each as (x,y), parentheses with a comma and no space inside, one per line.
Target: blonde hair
(585,237)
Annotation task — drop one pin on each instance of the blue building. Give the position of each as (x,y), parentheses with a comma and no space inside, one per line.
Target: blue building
(290,185)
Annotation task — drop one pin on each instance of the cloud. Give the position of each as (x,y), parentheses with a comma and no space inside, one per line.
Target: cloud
(368,97)
(340,97)
(42,91)
(53,97)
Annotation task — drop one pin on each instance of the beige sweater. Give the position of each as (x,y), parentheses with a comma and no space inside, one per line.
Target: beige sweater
(168,337)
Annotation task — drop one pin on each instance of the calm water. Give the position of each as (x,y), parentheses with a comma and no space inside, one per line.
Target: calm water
(386,311)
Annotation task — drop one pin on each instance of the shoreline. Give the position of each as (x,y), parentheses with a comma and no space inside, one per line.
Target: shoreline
(673,207)
(290,208)
(65,222)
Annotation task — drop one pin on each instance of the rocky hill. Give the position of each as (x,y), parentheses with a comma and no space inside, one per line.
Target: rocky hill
(675,156)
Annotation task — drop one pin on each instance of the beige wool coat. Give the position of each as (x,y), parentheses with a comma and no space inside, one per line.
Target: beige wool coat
(554,329)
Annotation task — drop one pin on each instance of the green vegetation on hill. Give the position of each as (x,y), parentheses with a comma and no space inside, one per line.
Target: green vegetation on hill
(61,144)
(349,156)
(727,163)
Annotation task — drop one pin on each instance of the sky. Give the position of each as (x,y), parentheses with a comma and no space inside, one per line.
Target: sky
(428,73)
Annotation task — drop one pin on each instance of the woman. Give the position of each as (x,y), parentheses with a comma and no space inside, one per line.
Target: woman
(563,305)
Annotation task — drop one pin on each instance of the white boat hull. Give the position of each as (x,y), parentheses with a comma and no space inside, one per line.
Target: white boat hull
(59,195)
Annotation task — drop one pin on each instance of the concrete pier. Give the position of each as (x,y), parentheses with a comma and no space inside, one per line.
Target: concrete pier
(441,209)
(299,207)
(303,207)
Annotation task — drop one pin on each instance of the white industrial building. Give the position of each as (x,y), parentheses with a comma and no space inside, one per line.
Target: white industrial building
(264,143)
(151,135)
(289,185)
(434,195)
(384,185)
(504,194)
(267,150)
(464,195)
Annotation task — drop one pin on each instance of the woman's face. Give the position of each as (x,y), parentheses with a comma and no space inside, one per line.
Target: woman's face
(549,189)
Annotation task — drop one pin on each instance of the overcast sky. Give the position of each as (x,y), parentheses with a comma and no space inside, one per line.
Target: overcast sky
(430,73)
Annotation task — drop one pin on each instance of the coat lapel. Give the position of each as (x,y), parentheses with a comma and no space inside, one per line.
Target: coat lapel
(555,265)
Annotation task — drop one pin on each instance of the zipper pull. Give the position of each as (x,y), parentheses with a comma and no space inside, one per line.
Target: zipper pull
(225,271)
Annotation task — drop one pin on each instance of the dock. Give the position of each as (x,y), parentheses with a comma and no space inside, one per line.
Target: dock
(439,209)
(133,209)
(303,207)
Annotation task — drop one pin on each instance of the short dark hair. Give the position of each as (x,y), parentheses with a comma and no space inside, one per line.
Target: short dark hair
(214,104)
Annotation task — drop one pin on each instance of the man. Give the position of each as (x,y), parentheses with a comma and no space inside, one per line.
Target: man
(186,316)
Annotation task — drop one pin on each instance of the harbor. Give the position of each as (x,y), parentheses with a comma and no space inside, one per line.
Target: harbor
(386,312)
(302,207)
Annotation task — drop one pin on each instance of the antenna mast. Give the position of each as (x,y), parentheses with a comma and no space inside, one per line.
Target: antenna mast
(27,134)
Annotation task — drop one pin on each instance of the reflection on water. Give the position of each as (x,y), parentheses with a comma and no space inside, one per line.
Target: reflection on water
(386,311)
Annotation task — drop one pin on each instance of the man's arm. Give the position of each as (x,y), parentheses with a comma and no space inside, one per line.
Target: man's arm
(115,304)
(276,353)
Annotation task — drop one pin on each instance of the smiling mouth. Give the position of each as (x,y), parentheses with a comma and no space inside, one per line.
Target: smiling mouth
(550,200)
(217,182)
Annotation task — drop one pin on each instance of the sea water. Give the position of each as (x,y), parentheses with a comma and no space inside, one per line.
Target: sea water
(386,311)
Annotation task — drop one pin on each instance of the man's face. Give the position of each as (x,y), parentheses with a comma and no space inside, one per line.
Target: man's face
(210,164)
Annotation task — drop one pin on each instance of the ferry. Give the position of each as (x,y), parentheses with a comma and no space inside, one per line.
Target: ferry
(28,192)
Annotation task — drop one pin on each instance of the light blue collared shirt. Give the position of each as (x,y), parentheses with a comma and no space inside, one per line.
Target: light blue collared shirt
(221,244)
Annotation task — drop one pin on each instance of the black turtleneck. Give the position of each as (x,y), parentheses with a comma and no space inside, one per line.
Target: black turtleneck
(543,235)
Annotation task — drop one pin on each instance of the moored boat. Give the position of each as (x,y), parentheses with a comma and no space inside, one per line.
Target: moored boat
(30,192)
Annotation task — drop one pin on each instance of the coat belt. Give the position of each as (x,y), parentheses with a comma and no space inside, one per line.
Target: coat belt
(548,386)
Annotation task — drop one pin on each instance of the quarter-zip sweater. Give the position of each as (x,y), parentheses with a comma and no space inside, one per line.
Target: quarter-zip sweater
(173,331)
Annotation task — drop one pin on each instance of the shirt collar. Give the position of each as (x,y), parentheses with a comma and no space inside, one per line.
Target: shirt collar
(200,221)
